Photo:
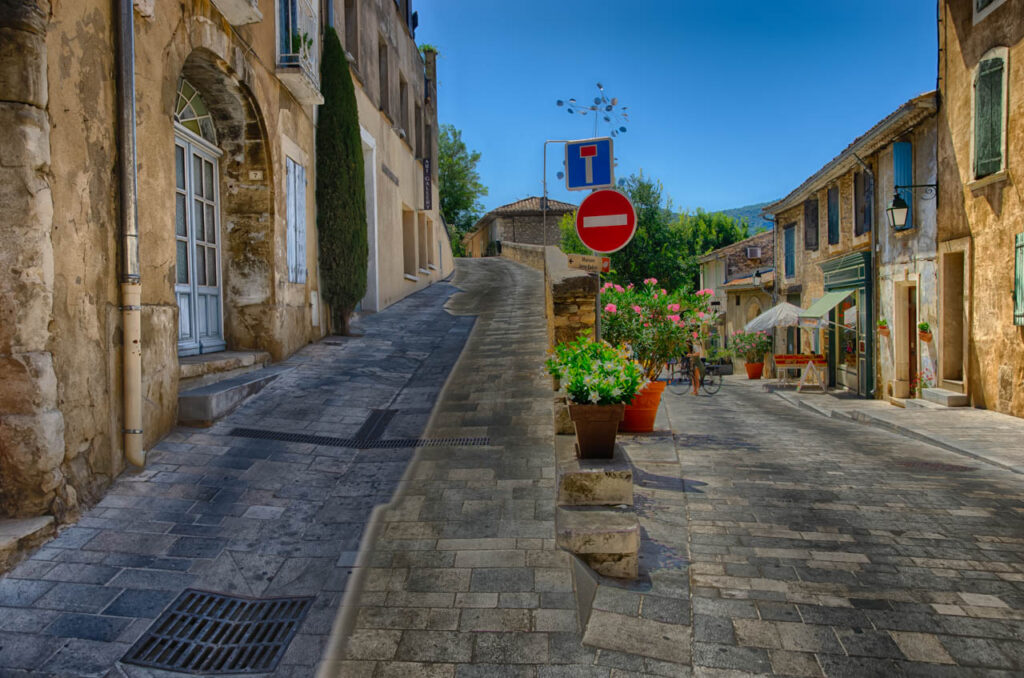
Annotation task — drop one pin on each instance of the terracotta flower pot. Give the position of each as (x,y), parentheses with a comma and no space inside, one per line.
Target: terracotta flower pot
(640,414)
(754,370)
(926,337)
(596,426)
(883,331)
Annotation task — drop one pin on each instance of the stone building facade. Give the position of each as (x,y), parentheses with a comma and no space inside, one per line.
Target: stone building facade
(225,105)
(729,272)
(981,207)
(522,221)
(825,232)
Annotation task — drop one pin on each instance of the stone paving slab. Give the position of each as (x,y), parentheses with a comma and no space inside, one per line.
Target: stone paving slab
(234,514)
(822,547)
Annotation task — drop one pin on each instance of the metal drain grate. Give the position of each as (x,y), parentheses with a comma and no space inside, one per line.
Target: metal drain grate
(211,633)
(934,466)
(356,443)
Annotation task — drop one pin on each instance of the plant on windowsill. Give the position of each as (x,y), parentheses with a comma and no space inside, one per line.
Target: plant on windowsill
(883,327)
(924,332)
(301,44)
(598,380)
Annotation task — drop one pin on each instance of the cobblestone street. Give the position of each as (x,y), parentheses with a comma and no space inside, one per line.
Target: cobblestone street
(826,546)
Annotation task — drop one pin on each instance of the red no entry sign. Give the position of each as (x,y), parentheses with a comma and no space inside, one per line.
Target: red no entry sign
(606,221)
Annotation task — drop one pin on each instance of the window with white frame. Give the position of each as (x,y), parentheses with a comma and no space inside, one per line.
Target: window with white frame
(295,205)
(989,113)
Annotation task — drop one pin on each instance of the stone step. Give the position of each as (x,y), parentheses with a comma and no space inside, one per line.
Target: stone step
(945,398)
(206,404)
(19,535)
(199,370)
(592,482)
(607,541)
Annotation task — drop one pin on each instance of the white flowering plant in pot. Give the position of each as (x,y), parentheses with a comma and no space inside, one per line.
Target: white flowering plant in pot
(595,373)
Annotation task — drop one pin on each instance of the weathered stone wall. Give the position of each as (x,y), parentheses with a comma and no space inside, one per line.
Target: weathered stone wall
(31,421)
(530,255)
(529,228)
(989,212)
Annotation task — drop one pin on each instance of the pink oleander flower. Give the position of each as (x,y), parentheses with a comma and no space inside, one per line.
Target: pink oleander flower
(706,291)
(607,286)
(674,318)
(695,335)
(663,292)
(650,281)
(637,309)
(611,308)
(618,288)
(701,314)
(629,286)
(673,307)
(647,324)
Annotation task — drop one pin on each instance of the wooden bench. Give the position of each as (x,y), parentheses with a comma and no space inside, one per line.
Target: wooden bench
(812,365)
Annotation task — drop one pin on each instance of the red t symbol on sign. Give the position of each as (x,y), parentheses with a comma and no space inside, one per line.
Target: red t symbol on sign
(588,153)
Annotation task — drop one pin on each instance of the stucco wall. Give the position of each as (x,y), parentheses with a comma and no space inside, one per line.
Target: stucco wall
(907,260)
(988,213)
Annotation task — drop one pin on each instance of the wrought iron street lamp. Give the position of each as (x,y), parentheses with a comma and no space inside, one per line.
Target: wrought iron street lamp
(898,210)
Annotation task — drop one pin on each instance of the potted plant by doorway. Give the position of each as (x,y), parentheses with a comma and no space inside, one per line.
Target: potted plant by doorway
(924,332)
(883,327)
(598,380)
(753,346)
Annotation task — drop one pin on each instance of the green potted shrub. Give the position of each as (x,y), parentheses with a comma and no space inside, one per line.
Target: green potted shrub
(654,325)
(722,357)
(924,332)
(598,380)
(753,347)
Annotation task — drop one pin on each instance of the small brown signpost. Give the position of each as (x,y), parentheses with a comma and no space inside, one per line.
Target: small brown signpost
(587,262)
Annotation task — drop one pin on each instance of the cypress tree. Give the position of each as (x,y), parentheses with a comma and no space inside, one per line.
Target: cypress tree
(340,192)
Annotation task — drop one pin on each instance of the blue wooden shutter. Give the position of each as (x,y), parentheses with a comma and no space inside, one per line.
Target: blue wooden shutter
(988,118)
(903,174)
(300,224)
(1018,280)
(833,215)
(790,237)
(289,199)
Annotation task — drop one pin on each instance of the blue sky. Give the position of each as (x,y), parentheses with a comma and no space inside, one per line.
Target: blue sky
(731,103)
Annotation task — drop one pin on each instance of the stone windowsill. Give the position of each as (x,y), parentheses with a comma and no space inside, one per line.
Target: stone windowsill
(410,277)
(424,271)
(998,177)
(432,267)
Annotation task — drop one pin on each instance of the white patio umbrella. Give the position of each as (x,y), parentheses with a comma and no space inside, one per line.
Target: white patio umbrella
(780,315)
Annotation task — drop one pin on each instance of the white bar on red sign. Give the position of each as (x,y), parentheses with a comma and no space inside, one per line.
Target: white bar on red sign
(605,220)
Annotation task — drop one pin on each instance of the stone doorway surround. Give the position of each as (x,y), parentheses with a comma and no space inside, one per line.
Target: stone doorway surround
(954,314)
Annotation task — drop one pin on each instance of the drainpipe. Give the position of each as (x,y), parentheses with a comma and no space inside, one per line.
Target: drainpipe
(131,280)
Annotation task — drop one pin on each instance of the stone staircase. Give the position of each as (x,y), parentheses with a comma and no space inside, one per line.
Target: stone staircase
(213,385)
(18,536)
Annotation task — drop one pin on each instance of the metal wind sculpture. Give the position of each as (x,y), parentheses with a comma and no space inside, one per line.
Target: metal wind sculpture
(604,109)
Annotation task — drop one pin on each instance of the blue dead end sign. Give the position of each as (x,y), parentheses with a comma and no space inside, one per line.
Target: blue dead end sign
(588,164)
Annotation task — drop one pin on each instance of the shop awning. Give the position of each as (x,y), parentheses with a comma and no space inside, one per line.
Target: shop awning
(812,317)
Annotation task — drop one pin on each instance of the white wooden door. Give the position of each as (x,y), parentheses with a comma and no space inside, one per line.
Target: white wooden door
(197,240)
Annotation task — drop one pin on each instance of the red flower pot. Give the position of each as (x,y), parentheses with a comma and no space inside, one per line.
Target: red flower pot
(640,414)
(596,426)
(754,370)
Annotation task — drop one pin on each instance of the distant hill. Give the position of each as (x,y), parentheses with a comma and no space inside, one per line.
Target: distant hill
(752,214)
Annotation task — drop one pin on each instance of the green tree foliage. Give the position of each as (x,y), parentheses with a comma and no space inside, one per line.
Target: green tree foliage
(666,246)
(458,184)
(340,192)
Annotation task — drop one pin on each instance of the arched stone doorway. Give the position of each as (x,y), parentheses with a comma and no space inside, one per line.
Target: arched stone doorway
(753,309)
(225,139)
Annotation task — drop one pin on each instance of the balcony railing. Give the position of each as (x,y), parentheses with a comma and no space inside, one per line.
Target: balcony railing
(298,29)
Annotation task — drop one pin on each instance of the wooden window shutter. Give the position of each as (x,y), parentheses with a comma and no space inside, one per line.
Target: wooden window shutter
(289,193)
(864,200)
(903,175)
(811,224)
(300,224)
(988,118)
(833,215)
(1018,280)
(790,239)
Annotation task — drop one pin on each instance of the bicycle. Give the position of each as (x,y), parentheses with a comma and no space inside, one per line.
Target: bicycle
(679,380)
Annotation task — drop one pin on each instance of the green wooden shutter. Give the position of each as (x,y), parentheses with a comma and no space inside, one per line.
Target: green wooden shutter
(988,118)
(833,215)
(1018,281)
(903,175)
